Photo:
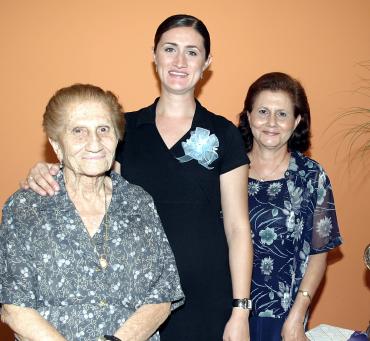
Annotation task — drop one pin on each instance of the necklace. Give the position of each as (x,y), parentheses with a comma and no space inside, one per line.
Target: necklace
(264,178)
(103,258)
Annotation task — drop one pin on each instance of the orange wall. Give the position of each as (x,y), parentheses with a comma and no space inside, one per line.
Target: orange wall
(47,44)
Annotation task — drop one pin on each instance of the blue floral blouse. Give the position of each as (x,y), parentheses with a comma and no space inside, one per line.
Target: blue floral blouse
(291,219)
(49,263)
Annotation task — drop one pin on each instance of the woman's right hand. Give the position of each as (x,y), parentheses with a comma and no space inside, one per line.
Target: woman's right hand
(40,179)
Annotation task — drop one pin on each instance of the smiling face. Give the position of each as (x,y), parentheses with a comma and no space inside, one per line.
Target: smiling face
(88,141)
(272,119)
(180,59)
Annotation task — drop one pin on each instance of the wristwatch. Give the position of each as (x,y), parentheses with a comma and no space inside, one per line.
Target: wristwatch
(244,303)
(108,337)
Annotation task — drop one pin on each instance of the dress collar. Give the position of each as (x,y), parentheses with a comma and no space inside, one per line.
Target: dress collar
(296,162)
(147,115)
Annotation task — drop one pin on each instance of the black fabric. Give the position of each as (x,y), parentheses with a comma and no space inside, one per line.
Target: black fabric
(187,197)
(265,329)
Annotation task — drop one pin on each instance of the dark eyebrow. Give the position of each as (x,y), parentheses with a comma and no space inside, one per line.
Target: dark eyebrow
(187,46)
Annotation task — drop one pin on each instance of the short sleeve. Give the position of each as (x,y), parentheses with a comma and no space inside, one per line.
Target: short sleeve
(325,230)
(19,282)
(234,154)
(166,286)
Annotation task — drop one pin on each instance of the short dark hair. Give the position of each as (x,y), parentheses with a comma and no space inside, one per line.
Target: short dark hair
(279,81)
(54,116)
(184,20)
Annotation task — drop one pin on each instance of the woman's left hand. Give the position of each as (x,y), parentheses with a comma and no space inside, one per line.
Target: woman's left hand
(293,330)
(237,328)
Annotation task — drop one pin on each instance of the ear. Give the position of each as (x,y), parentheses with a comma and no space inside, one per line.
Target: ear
(297,120)
(154,57)
(57,149)
(207,62)
(249,117)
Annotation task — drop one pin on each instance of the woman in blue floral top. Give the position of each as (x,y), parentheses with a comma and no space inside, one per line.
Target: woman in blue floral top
(291,207)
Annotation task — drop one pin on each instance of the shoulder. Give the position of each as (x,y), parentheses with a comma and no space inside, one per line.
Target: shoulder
(309,170)
(22,211)
(129,192)
(25,200)
(219,121)
(306,163)
(224,129)
(133,117)
(26,206)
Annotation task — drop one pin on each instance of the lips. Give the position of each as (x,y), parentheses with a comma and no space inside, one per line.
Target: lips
(178,74)
(271,133)
(93,158)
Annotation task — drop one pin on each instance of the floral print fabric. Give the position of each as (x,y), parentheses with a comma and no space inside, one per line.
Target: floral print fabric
(291,219)
(49,263)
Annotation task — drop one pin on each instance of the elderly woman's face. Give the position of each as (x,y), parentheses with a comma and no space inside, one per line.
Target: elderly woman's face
(88,140)
(272,119)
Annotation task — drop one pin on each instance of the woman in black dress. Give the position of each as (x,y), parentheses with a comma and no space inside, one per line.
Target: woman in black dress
(194,165)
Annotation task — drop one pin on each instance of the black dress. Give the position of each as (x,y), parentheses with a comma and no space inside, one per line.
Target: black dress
(184,182)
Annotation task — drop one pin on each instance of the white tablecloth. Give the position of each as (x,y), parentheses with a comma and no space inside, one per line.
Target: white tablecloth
(324,332)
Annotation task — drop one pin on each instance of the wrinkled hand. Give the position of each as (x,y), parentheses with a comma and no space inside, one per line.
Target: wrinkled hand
(40,179)
(293,330)
(237,328)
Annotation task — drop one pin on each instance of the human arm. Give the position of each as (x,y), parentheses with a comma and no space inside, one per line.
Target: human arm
(323,234)
(293,328)
(144,322)
(19,289)
(28,324)
(40,179)
(237,229)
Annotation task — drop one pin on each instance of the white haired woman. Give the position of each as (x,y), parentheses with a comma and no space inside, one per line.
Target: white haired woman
(91,262)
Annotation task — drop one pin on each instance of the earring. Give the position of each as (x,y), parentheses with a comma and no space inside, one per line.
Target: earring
(201,75)
(61,164)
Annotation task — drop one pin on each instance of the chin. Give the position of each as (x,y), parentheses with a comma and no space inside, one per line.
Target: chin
(95,171)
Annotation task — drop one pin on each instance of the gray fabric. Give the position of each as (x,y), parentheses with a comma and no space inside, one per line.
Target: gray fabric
(48,261)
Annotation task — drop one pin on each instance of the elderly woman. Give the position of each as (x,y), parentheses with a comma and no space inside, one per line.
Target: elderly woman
(91,262)
(291,208)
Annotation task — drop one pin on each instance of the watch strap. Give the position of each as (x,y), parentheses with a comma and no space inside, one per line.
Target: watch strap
(109,338)
(305,294)
(244,303)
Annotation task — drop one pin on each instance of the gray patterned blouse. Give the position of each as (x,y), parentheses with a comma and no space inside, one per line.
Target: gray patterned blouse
(48,261)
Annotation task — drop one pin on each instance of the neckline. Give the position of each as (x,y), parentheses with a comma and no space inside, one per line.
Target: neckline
(266,181)
(193,123)
(291,160)
(70,205)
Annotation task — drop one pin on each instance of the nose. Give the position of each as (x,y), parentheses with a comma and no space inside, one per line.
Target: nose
(180,60)
(271,120)
(94,143)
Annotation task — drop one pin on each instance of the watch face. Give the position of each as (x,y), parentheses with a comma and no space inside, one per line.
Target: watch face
(249,304)
(367,256)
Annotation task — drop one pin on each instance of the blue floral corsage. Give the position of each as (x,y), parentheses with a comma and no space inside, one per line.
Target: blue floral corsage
(201,146)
